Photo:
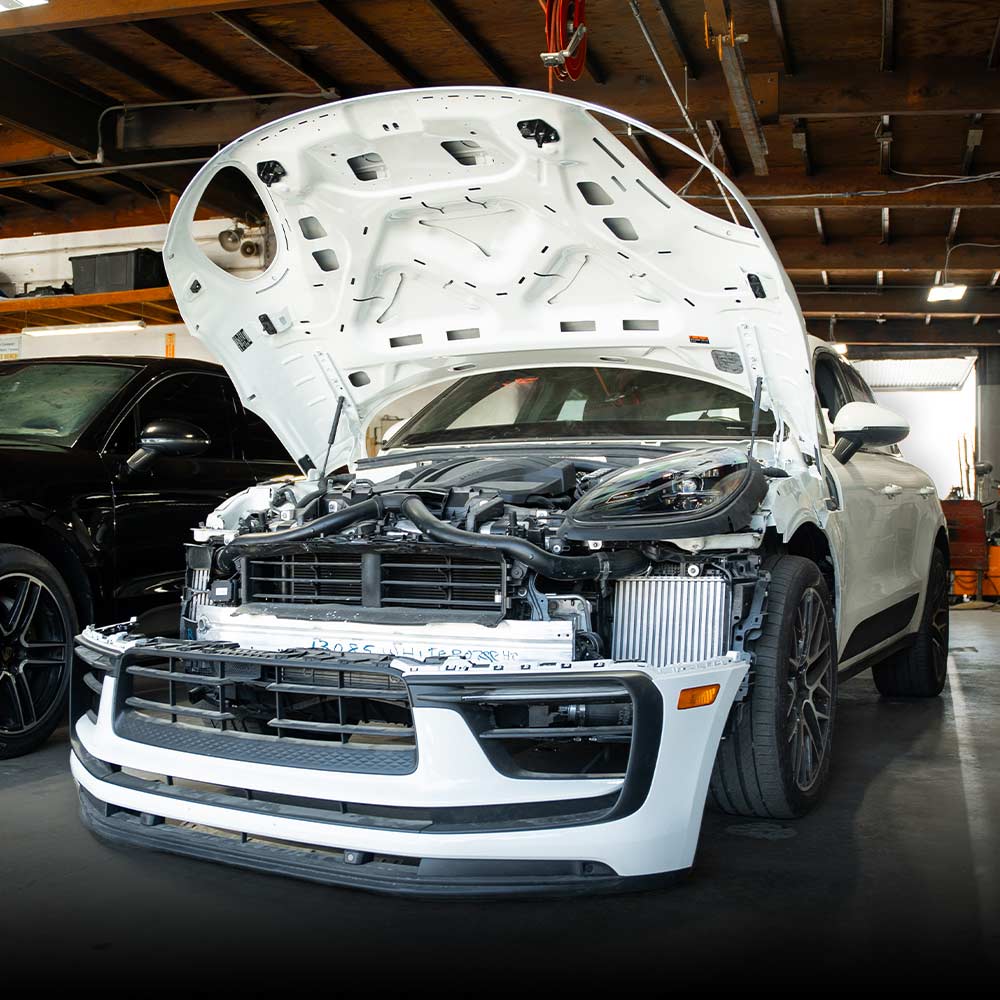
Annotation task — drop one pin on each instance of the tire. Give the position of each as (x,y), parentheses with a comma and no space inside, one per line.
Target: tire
(775,758)
(920,670)
(37,626)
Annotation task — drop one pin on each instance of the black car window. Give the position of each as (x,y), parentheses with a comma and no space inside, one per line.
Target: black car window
(829,387)
(55,402)
(197,397)
(856,385)
(261,444)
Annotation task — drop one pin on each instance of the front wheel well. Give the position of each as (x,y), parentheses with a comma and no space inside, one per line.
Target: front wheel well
(31,535)
(810,542)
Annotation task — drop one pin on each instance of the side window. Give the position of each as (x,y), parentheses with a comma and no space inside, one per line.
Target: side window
(199,398)
(856,385)
(829,388)
(261,444)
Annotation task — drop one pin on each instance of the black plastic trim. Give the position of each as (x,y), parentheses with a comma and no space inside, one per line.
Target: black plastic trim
(880,627)
(447,878)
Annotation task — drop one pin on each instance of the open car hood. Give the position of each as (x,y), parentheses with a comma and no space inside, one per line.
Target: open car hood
(425,233)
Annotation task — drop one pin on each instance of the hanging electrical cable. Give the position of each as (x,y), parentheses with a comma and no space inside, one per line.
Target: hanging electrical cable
(565,39)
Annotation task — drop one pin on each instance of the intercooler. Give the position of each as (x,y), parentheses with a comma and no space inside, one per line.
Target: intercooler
(663,620)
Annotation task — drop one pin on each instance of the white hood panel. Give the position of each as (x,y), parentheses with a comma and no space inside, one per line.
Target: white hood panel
(434,257)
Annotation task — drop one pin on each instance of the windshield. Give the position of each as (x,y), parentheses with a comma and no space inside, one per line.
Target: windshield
(55,402)
(584,403)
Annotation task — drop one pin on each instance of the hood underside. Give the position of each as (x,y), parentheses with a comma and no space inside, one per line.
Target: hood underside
(423,234)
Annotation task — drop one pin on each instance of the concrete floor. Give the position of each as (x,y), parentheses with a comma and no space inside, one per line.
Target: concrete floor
(893,879)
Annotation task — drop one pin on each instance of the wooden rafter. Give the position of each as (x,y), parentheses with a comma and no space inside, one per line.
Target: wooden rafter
(781,35)
(887,57)
(280,50)
(371,41)
(489,59)
(676,40)
(911,331)
(169,37)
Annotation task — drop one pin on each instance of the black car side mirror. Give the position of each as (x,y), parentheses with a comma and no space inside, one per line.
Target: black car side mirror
(168,439)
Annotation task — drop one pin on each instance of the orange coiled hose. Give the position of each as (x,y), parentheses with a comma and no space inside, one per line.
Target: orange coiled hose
(562,18)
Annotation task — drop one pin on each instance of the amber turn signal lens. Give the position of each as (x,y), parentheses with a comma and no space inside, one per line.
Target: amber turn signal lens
(697,697)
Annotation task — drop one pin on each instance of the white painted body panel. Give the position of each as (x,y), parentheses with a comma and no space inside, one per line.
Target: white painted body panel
(452,770)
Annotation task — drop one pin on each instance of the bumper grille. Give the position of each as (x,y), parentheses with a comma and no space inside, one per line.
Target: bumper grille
(306,696)
(663,620)
(379,578)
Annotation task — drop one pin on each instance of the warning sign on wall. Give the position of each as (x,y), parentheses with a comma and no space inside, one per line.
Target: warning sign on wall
(10,346)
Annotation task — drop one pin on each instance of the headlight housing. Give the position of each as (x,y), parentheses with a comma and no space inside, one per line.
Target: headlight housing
(707,491)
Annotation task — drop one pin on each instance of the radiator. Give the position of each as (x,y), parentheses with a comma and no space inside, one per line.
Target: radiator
(662,620)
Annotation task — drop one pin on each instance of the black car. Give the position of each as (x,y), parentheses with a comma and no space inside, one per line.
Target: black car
(105,465)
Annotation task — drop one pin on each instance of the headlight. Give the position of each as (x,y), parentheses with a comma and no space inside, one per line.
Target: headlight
(691,493)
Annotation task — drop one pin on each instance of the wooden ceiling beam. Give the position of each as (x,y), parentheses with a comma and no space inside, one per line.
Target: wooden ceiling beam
(165,34)
(993,59)
(29,199)
(91,48)
(280,50)
(67,188)
(734,70)
(925,253)
(371,41)
(887,55)
(486,56)
(781,35)
(676,40)
(787,187)
(47,111)
(853,302)
(954,332)
(87,13)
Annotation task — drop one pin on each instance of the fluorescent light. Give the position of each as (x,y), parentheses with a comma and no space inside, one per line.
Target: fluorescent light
(948,292)
(127,326)
(840,348)
(18,4)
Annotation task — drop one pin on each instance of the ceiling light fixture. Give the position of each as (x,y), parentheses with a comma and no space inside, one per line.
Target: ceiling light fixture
(948,292)
(19,4)
(841,349)
(126,326)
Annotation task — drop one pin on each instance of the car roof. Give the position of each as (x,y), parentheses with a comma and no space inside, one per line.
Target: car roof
(132,361)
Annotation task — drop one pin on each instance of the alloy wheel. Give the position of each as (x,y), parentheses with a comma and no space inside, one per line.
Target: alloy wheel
(810,686)
(35,653)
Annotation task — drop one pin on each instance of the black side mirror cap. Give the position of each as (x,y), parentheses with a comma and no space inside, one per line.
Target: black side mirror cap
(168,439)
(846,447)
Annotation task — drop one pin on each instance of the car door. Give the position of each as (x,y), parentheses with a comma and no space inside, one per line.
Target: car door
(915,517)
(157,506)
(875,598)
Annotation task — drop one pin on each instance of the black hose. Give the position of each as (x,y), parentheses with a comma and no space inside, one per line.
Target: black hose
(548,564)
(248,544)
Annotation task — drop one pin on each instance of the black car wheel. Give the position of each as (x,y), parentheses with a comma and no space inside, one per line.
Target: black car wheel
(920,670)
(37,626)
(775,757)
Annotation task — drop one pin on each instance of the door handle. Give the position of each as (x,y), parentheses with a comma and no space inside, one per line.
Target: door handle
(892,490)
(927,491)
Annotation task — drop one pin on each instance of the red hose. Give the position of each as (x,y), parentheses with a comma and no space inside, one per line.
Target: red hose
(562,18)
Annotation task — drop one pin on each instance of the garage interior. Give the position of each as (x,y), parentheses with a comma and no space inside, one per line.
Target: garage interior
(866,134)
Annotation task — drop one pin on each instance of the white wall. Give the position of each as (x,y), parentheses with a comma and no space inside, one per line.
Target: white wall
(937,422)
(29,262)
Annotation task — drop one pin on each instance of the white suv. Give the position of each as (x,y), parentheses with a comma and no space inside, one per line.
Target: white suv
(618,562)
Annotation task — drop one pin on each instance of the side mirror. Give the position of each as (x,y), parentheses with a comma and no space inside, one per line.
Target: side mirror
(168,439)
(861,424)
